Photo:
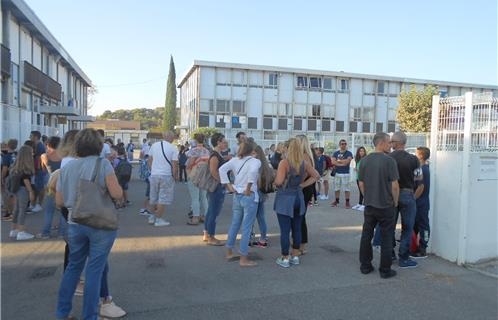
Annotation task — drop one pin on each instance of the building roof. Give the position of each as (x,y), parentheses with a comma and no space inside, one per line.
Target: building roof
(201,63)
(31,21)
(115,125)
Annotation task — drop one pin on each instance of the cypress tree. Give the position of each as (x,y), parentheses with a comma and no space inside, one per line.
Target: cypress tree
(170,104)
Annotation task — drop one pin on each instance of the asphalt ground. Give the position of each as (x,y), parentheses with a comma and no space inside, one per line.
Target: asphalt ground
(169,273)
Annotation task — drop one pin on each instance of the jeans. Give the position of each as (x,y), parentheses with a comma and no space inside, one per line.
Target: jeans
(94,245)
(49,204)
(243,214)
(22,199)
(215,199)
(183,173)
(383,218)
(199,200)
(260,216)
(287,224)
(422,227)
(408,209)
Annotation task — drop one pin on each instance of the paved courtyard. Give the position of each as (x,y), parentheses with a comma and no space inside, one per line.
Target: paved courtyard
(169,273)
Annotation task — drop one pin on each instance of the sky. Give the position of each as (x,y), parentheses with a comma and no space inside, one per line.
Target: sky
(124,46)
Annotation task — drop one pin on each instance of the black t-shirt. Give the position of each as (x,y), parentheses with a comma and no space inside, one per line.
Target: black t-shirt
(378,171)
(408,168)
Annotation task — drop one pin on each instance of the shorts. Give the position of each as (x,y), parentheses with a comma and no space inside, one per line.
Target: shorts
(162,189)
(124,185)
(147,189)
(342,182)
(40,179)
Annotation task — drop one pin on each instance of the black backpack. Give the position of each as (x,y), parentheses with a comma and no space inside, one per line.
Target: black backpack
(123,171)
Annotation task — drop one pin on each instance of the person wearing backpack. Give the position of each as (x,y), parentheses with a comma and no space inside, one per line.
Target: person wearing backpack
(198,196)
(217,197)
(20,184)
(123,172)
(8,159)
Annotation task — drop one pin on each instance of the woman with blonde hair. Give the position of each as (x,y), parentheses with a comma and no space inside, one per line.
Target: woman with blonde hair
(22,171)
(265,184)
(308,191)
(294,173)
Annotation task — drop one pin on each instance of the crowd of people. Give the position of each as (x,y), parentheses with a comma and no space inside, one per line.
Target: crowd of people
(46,175)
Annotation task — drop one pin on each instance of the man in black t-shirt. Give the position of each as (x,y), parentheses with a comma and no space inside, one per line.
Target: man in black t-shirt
(409,172)
(378,180)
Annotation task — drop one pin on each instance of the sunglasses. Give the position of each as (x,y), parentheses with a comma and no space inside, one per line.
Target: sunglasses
(344,144)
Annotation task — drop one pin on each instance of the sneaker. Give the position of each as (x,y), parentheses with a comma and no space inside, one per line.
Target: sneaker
(261,244)
(79,289)
(294,260)
(111,310)
(128,203)
(355,207)
(144,212)
(284,263)
(387,274)
(367,269)
(315,203)
(420,254)
(161,223)
(13,233)
(407,263)
(23,235)
(37,208)
(152,219)
(361,208)
(325,197)
(42,236)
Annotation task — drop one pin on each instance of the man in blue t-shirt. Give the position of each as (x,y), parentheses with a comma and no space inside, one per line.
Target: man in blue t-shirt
(423,205)
(341,159)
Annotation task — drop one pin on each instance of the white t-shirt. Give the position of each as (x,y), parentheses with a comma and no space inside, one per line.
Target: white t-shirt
(159,164)
(106,151)
(145,149)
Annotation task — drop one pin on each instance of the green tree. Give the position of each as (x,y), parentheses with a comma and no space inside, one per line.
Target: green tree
(170,104)
(207,132)
(415,109)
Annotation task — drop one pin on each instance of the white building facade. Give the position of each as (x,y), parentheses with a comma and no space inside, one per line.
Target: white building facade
(42,87)
(275,103)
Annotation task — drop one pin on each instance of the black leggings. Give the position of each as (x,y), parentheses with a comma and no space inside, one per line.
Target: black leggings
(183,173)
(308,194)
(361,193)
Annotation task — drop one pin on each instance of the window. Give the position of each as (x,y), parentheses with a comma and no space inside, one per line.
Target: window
(15,84)
(236,122)
(239,106)
(315,83)
(302,82)
(273,79)
(252,123)
(298,124)
(366,127)
(315,112)
(223,106)
(327,84)
(282,124)
(443,93)
(379,127)
(391,126)
(344,85)
(269,135)
(268,123)
(325,125)
(311,125)
(284,109)
(356,113)
(339,126)
(353,126)
(203,120)
(207,105)
(380,87)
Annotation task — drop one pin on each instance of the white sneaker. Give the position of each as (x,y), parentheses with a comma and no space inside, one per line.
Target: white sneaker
(294,260)
(325,197)
(23,235)
(13,233)
(144,212)
(161,223)
(361,208)
(111,310)
(152,219)
(37,208)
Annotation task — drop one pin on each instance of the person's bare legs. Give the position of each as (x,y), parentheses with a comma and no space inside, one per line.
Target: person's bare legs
(326,187)
(160,210)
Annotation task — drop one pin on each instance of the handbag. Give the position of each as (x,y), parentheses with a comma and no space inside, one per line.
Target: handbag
(94,207)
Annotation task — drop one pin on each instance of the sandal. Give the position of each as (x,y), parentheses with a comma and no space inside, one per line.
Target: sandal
(215,242)
(202,218)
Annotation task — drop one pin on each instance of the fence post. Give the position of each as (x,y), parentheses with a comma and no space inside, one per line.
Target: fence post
(433,147)
(464,196)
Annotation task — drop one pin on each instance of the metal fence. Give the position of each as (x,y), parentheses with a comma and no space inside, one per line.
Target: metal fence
(473,115)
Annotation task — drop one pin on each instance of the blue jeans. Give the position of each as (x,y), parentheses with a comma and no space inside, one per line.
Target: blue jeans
(49,204)
(243,214)
(215,200)
(422,227)
(94,244)
(408,210)
(199,199)
(287,224)
(260,216)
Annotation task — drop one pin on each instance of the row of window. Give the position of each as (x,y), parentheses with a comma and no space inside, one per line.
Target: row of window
(296,124)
